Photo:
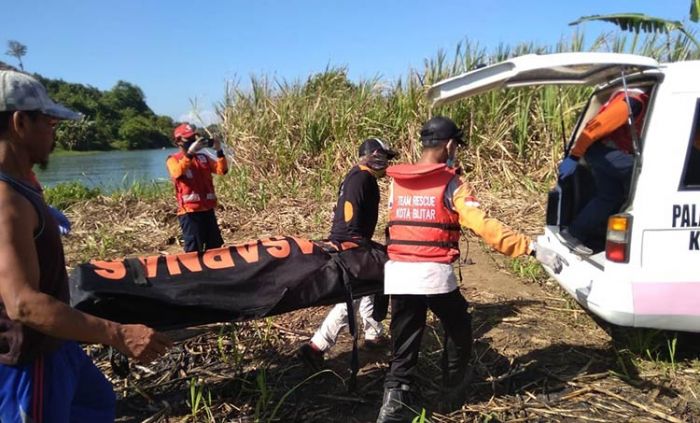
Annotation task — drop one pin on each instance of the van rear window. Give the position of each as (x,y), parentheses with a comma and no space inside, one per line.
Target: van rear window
(691,169)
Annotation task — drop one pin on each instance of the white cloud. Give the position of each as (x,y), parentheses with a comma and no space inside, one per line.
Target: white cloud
(200,117)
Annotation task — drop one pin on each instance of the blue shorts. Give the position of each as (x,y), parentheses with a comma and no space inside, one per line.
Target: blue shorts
(200,231)
(63,386)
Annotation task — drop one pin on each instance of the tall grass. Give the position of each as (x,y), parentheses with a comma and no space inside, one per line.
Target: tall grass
(292,141)
(297,138)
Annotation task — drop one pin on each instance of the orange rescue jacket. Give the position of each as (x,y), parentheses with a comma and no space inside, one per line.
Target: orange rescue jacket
(421,227)
(194,188)
(610,123)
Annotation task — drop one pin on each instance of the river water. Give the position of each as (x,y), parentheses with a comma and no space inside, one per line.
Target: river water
(109,170)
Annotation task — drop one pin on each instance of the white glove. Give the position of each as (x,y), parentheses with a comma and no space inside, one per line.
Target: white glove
(549,258)
(196,146)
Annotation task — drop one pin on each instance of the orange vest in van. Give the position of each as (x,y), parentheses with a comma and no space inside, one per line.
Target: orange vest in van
(622,136)
(195,188)
(421,227)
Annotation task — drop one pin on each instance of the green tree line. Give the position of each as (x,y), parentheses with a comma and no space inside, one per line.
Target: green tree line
(115,119)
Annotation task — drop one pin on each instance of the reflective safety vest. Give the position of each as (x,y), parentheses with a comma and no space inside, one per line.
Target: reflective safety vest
(195,188)
(421,227)
(622,137)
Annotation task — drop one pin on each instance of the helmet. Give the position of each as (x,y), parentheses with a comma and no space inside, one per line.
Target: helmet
(184,130)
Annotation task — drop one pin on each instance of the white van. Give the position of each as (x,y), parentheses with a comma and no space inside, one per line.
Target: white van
(648,274)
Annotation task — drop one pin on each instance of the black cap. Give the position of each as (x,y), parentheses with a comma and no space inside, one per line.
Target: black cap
(370,145)
(440,128)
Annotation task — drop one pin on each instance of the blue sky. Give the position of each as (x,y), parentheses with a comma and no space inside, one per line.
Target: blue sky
(182,50)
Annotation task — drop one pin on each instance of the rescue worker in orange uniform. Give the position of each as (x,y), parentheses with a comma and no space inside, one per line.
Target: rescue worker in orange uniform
(606,144)
(429,203)
(190,171)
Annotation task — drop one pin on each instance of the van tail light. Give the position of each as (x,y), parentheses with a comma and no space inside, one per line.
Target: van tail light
(617,243)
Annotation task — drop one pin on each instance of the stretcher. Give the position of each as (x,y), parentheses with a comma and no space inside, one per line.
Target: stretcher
(251,280)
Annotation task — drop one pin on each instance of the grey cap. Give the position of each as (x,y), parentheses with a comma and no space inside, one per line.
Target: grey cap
(22,92)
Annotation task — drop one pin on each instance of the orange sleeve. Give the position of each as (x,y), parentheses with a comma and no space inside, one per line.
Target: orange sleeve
(219,167)
(601,125)
(177,167)
(497,235)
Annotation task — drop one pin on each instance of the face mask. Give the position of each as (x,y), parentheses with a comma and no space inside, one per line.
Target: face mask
(376,161)
(379,173)
(451,161)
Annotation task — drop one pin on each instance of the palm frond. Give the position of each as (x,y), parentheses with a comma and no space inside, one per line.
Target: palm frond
(694,10)
(634,22)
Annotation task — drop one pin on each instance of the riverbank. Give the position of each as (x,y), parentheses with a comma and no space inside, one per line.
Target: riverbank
(63,153)
(106,170)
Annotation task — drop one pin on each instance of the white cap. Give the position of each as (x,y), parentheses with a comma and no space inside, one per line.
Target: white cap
(22,92)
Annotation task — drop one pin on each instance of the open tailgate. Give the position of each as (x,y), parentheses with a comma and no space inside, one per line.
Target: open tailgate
(535,69)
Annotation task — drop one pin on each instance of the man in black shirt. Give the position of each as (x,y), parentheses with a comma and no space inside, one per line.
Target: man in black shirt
(354,218)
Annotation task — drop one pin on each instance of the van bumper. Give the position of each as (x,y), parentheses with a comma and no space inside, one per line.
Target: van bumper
(669,306)
(675,322)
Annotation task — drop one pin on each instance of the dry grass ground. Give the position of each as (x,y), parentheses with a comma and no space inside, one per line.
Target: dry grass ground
(537,355)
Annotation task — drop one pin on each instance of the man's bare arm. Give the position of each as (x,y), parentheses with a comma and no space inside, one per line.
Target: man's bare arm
(24,303)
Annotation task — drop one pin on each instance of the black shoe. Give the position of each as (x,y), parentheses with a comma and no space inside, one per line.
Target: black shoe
(311,356)
(574,244)
(397,405)
(455,391)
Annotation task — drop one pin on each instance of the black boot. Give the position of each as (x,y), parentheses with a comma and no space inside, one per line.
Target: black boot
(457,374)
(396,405)
(455,388)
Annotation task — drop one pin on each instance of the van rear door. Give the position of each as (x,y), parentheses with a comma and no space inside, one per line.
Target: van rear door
(534,69)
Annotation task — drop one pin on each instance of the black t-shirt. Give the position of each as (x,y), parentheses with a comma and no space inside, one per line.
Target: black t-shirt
(357,209)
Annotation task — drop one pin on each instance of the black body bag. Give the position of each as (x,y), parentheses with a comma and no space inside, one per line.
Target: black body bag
(248,281)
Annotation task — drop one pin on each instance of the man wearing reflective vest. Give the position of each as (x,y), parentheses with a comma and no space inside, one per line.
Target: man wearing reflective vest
(429,203)
(606,144)
(191,171)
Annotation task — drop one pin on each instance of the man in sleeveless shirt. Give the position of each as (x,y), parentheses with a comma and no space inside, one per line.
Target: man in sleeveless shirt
(44,374)
(429,202)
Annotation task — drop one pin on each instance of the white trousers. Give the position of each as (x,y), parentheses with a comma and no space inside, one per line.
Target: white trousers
(326,335)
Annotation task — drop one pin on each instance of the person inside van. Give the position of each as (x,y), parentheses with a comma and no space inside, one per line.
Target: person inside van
(607,146)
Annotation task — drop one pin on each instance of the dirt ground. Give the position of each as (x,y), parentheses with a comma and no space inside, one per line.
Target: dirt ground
(537,357)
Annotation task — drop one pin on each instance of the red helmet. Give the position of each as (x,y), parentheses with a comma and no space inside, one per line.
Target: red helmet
(184,130)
